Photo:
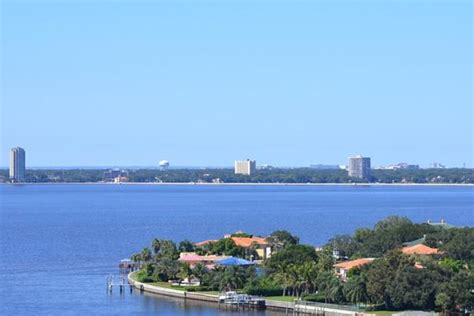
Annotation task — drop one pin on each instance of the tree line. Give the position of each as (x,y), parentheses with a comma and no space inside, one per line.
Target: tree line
(274,175)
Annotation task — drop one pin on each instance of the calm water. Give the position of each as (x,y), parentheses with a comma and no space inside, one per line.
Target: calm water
(58,242)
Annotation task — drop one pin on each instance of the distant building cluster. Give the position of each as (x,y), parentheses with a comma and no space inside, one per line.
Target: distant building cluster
(437,165)
(17,164)
(401,165)
(115,175)
(245,167)
(359,167)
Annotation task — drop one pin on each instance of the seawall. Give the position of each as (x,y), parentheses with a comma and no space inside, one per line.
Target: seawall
(284,307)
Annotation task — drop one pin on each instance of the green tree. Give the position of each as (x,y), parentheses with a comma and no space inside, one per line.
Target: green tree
(334,290)
(345,245)
(184,271)
(459,291)
(326,259)
(199,271)
(156,245)
(163,248)
(283,278)
(146,255)
(355,290)
(308,272)
(230,278)
(226,246)
(443,300)
(279,239)
(166,269)
(292,254)
(186,246)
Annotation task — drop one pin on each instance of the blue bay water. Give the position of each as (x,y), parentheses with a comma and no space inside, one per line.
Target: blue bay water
(58,242)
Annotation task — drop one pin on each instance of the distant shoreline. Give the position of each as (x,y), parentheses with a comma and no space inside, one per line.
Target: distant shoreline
(250,184)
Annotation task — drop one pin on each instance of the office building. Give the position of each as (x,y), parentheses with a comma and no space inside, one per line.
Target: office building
(245,167)
(17,164)
(359,167)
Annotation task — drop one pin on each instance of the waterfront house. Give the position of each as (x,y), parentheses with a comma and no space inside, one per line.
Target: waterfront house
(260,244)
(342,268)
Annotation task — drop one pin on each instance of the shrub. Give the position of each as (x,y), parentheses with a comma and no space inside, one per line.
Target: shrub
(264,291)
(141,276)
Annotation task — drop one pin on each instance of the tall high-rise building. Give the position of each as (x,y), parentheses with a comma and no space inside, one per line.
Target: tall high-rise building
(17,164)
(359,167)
(245,167)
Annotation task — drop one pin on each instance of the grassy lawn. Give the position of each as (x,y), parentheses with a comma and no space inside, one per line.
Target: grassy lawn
(280,298)
(168,286)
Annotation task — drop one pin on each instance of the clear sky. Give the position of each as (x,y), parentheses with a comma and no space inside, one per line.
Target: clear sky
(288,83)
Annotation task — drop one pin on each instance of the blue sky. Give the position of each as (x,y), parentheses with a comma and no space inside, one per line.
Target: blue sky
(289,83)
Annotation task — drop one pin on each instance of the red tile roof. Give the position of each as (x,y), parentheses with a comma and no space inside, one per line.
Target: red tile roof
(239,241)
(347,265)
(248,241)
(419,250)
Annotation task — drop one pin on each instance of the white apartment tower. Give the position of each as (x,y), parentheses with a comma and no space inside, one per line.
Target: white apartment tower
(359,167)
(17,164)
(245,167)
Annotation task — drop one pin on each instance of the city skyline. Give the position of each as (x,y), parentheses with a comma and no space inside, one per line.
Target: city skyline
(164,164)
(203,85)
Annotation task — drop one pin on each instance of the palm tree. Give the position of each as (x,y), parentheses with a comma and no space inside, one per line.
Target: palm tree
(355,290)
(325,280)
(309,273)
(335,290)
(137,258)
(156,245)
(184,271)
(146,254)
(293,277)
(199,271)
(282,277)
(231,279)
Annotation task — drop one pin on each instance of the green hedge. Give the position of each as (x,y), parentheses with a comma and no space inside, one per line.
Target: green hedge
(316,297)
